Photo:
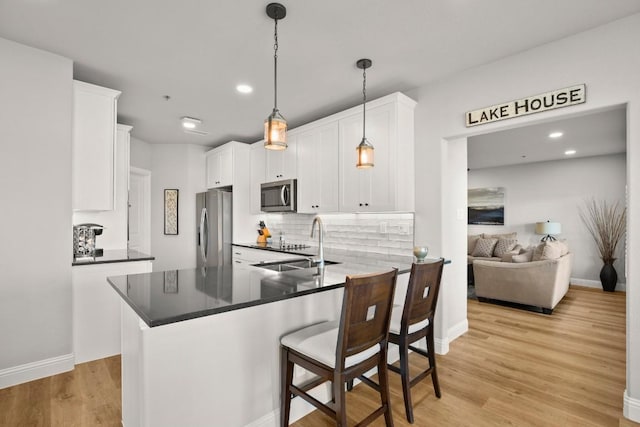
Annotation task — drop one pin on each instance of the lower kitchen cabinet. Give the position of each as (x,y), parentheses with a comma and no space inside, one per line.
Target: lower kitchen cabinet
(96,308)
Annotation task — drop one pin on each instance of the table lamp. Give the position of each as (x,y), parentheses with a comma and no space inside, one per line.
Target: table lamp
(548,229)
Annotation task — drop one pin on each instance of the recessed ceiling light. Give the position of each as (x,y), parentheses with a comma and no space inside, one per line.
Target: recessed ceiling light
(190,122)
(555,135)
(242,88)
(570,152)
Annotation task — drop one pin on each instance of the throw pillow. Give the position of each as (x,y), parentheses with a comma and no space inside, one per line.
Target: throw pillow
(537,252)
(472,239)
(513,235)
(526,256)
(503,246)
(484,247)
(553,250)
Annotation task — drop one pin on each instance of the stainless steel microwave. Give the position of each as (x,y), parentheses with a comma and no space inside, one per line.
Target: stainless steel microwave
(278,196)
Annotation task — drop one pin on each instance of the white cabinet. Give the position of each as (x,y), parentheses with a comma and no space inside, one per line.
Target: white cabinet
(94,133)
(96,308)
(115,221)
(318,165)
(257,175)
(282,164)
(220,166)
(389,185)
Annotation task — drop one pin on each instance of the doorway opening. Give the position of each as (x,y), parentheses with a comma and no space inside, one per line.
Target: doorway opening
(139,212)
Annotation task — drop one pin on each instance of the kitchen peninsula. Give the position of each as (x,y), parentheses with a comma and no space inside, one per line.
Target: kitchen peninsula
(200,346)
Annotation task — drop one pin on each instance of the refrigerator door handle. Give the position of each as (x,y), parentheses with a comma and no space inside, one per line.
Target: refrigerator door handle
(203,235)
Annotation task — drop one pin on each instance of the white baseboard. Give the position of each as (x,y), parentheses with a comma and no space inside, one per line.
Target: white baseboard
(631,409)
(442,344)
(620,287)
(36,370)
(270,420)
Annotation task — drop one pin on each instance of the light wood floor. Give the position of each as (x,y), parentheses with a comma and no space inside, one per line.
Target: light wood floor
(513,367)
(519,368)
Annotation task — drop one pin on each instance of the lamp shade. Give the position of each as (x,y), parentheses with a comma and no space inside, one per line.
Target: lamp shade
(548,228)
(275,132)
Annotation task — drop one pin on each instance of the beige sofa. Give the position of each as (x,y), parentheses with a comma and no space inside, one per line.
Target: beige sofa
(541,282)
(501,247)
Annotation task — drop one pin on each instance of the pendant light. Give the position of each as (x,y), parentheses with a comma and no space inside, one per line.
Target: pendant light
(275,126)
(364,149)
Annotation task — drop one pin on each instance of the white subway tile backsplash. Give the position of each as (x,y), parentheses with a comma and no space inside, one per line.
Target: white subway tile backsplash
(387,233)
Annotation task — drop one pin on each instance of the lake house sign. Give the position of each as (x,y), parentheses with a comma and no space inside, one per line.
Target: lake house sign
(532,104)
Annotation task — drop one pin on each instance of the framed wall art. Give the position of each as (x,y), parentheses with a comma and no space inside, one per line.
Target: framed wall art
(486,206)
(171,211)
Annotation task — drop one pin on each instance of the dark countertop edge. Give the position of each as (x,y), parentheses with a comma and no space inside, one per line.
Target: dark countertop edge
(128,256)
(218,310)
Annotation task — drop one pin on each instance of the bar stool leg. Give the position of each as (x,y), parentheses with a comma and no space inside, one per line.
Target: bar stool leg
(432,362)
(340,400)
(286,378)
(403,348)
(383,376)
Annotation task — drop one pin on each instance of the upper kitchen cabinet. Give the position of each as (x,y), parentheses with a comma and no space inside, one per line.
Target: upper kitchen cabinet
(220,166)
(93,147)
(281,164)
(257,174)
(318,166)
(389,185)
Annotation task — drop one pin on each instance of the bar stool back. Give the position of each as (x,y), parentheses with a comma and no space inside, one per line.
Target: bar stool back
(341,351)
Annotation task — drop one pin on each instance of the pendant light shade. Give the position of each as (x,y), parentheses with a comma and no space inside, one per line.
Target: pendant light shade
(364,150)
(275,126)
(275,131)
(365,154)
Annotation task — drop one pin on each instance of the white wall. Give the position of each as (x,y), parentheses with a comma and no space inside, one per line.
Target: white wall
(182,167)
(606,59)
(140,154)
(36,245)
(557,191)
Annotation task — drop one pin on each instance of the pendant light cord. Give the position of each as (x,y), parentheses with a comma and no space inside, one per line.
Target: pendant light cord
(364,101)
(275,67)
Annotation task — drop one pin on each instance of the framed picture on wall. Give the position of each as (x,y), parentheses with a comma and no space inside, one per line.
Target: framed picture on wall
(486,206)
(171,211)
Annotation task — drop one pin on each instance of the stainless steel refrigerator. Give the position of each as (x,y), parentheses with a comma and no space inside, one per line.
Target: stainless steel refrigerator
(213,216)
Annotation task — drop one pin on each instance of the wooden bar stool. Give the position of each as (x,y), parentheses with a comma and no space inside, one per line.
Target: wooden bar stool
(341,351)
(413,321)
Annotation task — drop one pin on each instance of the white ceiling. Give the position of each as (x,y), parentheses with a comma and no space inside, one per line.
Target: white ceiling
(589,135)
(197,51)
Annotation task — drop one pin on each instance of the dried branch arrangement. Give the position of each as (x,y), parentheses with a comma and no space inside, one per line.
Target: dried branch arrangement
(606,224)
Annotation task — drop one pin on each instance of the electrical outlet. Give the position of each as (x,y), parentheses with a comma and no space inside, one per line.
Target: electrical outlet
(383,227)
(404,229)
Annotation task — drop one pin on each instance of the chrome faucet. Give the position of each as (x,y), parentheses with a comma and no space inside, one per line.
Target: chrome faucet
(320,259)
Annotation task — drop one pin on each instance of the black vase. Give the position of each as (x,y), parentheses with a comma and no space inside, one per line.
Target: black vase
(608,278)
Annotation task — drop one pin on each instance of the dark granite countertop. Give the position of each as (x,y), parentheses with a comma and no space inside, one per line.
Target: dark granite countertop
(165,297)
(113,255)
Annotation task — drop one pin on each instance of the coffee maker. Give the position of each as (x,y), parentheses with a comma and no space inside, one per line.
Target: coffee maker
(84,240)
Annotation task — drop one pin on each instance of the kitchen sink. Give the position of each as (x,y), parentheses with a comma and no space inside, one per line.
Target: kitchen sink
(292,264)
